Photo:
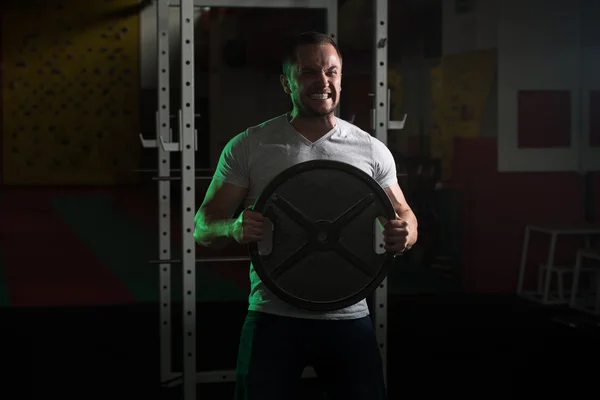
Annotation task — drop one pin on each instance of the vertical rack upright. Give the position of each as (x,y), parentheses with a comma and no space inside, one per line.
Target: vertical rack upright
(163,130)
(188,147)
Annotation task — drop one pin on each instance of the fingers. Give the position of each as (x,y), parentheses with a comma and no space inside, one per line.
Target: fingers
(253,217)
(395,228)
(252,226)
(397,223)
(395,235)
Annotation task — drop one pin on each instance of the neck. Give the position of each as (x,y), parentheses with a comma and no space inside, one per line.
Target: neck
(312,127)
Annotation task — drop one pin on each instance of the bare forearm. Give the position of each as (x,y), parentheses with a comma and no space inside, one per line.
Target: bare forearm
(214,234)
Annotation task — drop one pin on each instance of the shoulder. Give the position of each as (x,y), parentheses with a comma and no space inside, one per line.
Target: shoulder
(252,134)
(352,130)
(365,137)
(273,124)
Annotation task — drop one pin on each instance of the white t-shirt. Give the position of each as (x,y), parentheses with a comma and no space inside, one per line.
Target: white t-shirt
(254,157)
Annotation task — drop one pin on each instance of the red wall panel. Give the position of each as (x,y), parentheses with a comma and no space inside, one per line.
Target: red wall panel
(498,206)
(544,118)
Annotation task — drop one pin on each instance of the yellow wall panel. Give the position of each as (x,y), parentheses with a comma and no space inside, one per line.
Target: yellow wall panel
(460,89)
(71,92)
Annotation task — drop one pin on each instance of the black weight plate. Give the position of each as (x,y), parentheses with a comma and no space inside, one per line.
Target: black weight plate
(322,257)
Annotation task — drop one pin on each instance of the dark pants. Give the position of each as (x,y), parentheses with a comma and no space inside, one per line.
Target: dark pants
(275,350)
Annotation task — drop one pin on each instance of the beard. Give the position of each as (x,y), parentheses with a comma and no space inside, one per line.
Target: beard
(308,109)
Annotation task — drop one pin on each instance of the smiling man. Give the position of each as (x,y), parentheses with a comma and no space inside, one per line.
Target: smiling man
(279,340)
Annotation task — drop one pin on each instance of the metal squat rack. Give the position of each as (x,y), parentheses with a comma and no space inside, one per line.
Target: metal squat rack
(187,145)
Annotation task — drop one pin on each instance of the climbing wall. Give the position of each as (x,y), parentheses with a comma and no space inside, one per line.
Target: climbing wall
(70,90)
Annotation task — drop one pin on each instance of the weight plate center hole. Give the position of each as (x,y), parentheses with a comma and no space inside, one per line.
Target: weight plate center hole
(322,237)
(323,231)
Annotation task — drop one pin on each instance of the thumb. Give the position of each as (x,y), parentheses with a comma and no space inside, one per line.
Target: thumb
(382,221)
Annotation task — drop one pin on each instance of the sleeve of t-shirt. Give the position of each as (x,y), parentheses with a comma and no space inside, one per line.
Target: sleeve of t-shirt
(233,162)
(384,164)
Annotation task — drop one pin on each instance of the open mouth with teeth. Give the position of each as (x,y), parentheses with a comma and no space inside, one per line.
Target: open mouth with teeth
(320,96)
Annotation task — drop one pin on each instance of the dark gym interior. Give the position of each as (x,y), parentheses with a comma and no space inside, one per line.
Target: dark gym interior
(498,158)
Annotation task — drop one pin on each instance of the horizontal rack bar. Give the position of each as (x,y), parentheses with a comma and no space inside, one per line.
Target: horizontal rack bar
(178,178)
(154,170)
(202,260)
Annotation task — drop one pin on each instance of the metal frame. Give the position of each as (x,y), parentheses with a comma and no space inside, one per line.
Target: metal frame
(163,132)
(381,126)
(581,255)
(542,294)
(380,131)
(187,146)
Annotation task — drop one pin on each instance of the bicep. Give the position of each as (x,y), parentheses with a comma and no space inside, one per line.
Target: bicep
(221,201)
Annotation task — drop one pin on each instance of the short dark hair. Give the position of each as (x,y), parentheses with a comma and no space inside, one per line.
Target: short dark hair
(290,48)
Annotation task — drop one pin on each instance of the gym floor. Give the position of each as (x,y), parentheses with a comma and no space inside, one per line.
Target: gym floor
(446,345)
(79,315)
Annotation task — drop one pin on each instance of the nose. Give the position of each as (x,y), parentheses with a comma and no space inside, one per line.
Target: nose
(323,79)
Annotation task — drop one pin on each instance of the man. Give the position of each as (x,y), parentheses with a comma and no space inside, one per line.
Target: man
(278,340)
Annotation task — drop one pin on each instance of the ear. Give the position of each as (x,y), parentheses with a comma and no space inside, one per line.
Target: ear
(285,84)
